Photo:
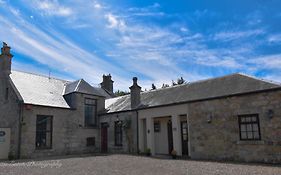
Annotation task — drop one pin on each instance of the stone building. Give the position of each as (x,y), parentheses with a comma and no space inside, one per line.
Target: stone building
(234,117)
(43,116)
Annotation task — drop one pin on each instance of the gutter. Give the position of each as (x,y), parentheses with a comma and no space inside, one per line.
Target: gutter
(138,149)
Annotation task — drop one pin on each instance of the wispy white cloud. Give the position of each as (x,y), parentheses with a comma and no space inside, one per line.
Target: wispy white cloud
(60,54)
(234,35)
(183,29)
(267,62)
(126,46)
(51,8)
(97,5)
(152,10)
(114,22)
(274,38)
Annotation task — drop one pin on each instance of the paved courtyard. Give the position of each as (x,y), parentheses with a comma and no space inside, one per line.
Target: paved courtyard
(131,165)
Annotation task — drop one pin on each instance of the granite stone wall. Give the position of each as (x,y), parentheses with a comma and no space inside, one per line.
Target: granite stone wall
(9,113)
(69,132)
(129,136)
(220,139)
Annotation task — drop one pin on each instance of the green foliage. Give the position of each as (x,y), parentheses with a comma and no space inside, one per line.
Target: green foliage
(153,87)
(120,93)
(181,81)
(165,85)
(11,156)
(127,124)
(147,151)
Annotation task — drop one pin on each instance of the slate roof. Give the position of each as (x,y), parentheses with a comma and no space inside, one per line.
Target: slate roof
(210,88)
(45,91)
(83,87)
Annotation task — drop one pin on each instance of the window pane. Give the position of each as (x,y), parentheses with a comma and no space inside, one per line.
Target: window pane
(43,132)
(48,139)
(243,135)
(255,127)
(118,133)
(243,119)
(250,135)
(249,127)
(90,115)
(157,126)
(254,119)
(256,135)
(248,119)
(243,127)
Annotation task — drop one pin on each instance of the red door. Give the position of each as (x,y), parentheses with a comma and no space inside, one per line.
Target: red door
(104,137)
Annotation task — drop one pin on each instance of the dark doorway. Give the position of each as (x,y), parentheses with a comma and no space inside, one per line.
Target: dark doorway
(170,136)
(184,137)
(104,127)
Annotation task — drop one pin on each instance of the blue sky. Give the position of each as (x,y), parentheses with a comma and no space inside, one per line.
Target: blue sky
(157,41)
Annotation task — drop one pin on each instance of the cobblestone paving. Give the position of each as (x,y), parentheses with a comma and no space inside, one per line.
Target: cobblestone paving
(131,165)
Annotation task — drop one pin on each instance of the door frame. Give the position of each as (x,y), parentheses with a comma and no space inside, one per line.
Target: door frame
(187,144)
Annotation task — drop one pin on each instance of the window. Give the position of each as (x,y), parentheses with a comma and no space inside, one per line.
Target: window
(249,127)
(44,127)
(90,112)
(157,126)
(118,133)
(91,141)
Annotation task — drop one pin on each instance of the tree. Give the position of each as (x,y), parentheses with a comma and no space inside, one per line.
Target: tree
(165,85)
(153,87)
(181,81)
(120,93)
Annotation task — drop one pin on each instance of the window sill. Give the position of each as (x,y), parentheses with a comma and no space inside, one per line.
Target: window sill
(250,142)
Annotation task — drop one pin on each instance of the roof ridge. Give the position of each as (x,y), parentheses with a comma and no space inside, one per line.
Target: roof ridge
(186,84)
(40,75)
(78,84)
(261,79)
(194,82)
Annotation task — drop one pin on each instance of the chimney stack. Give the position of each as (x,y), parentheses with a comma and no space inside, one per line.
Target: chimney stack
(107,84)
(135,94)
(5,60)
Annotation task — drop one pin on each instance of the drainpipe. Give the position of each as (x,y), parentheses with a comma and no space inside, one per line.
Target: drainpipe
(137,112)
(19,128)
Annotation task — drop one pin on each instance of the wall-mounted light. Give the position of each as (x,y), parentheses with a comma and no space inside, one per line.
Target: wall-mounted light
(119,122)
(270,113)
(209,118)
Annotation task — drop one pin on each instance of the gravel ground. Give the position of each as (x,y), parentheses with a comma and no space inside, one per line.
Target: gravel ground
(131,165)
